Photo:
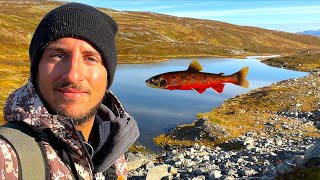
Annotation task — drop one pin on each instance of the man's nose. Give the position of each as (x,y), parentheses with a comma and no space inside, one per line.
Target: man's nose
(74,69)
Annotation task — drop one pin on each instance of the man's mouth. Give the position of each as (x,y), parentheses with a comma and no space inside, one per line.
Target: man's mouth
(72,93)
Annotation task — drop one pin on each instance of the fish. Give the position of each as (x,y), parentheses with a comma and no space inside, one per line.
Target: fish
(194,79)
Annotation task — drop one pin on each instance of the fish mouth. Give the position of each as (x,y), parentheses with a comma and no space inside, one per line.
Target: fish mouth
(150,85)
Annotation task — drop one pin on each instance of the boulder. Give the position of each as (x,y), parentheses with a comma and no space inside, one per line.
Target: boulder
(136,160)
(312,156)
(161,172)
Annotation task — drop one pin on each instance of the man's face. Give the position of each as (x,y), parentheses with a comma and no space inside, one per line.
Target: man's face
(72,78)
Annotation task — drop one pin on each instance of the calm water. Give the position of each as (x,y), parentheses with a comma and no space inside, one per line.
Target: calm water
(157,111)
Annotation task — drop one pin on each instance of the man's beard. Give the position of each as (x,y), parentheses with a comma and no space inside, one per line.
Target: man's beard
(80,119)
(77,120)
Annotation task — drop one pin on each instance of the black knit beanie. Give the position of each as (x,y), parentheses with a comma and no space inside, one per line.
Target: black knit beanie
(78,21)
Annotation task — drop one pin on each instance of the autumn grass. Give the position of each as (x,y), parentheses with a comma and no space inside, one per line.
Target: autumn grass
(11,77)
(302,61)
(150,37)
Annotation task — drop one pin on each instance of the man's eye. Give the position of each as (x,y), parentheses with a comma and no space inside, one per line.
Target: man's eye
(92,60)
(58,56)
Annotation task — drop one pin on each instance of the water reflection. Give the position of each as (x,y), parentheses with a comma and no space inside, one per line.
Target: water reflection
(157,111)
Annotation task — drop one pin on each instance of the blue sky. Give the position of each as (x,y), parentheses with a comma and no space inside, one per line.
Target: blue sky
(283,15)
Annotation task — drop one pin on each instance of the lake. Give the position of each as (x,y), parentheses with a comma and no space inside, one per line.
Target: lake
(157,111)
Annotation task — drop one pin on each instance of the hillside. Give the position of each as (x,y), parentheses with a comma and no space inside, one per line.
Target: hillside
(148,37)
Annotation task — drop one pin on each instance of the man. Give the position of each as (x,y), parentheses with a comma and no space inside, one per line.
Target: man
(79,124)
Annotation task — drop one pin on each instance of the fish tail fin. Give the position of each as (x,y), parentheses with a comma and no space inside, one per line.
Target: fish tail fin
(241,76)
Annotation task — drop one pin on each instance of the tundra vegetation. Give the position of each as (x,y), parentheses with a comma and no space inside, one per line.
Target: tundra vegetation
(146,37)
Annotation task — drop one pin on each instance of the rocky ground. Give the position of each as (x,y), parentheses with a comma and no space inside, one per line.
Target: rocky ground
(270,132)
(260,158)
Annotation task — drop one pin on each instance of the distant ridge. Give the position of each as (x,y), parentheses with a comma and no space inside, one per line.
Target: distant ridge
(311,32)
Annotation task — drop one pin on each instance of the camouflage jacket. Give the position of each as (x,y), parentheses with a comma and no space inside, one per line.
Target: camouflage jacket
(25,105)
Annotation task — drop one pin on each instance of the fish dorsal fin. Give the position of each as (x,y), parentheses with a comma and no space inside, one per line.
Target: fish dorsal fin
(195,66)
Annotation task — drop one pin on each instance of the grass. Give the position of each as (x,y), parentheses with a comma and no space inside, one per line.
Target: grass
(303,61)
(11,77)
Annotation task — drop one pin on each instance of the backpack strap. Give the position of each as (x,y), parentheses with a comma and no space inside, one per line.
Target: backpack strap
(30,154)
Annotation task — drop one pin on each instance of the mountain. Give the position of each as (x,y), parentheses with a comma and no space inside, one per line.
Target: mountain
(311,32)
(151,37)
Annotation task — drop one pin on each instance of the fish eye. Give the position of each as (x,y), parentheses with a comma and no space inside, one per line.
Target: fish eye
(163,82)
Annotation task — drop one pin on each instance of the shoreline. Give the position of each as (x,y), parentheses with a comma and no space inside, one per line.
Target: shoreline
(149,60)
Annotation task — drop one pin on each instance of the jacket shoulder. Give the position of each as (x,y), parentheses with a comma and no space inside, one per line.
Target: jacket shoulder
(8,161)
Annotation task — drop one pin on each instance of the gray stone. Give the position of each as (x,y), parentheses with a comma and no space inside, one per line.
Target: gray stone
(228,178)
(199,178)
(312,156)
(187,163)
(283,168)
(173,152)
(216,174)
(202,148)
(149,165)
(178,164)
(250,172)
(172,170)
(232,172)
(196,146)
(206,158)
(248,142)
(158,172)
(135,161)
(270,171)
(199,171)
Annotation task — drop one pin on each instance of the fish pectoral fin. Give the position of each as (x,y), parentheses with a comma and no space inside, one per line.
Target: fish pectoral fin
(200,90)
(218,88)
